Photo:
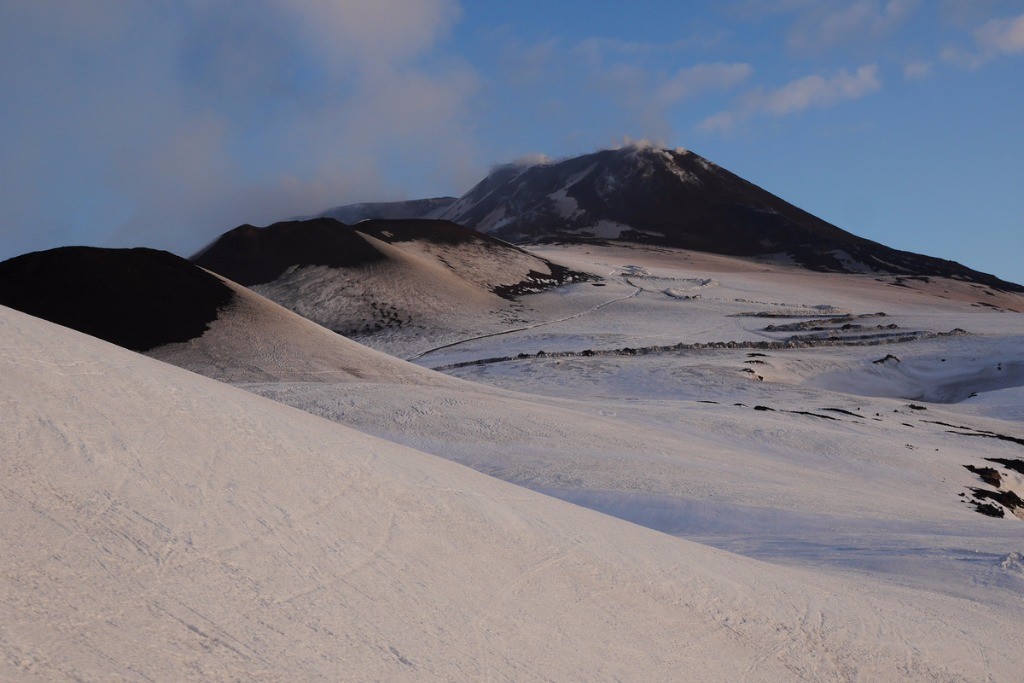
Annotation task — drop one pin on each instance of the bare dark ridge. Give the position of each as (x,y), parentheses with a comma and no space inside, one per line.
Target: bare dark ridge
(251,256)
(135,298)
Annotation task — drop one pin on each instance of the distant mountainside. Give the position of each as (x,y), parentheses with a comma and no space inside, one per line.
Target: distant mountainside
(415,208)
(135,298)
(674,198)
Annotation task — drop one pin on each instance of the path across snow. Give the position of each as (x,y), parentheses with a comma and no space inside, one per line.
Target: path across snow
(636,291)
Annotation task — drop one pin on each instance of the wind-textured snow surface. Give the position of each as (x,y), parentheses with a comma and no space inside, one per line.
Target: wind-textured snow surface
(160,525)
(749,414)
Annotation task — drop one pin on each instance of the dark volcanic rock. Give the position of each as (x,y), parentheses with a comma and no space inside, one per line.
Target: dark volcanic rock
(252,256)
(679,199)
(135,298)
(989,475)
(661,196)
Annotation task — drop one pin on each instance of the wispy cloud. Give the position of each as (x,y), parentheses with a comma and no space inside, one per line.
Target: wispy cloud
(170,122)
(1001,36)
(528,64)
(994,38)
(827,24)
(813,91)
(694,80)
(820,25)
(639,87)
(650,98)
(597,50)
(916,71)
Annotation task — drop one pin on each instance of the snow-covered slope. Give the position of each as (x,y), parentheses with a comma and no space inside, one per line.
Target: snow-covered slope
(397,283)
(695,394)
(256,340)
(161,525)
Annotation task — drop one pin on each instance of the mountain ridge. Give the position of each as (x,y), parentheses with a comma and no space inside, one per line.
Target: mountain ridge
(679,199)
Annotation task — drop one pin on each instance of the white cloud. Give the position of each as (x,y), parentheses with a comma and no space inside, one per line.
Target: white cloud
(817,91)
(915,71)
(722,122)
(994,38)
(694,80)
(649,98)
(804,93)
(598,50)
(1001,36)
(167,123)
(824,25)
(532,159)
(965,14)
(526,64)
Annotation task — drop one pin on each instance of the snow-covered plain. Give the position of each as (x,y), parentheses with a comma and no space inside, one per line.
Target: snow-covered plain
(161,524)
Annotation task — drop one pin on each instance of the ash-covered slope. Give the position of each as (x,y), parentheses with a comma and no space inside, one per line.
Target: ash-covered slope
(257,340)
(398,278)
(675,198)
(414,208)
(135,298)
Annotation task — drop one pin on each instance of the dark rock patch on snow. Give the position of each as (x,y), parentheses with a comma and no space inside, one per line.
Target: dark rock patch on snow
(989,475)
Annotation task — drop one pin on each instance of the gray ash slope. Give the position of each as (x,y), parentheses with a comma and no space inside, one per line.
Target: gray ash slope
(679,199)
(136,298)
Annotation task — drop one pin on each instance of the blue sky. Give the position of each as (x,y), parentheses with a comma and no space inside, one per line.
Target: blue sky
(166,123)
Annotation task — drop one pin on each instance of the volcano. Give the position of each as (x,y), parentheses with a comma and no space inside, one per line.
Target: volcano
(674,198)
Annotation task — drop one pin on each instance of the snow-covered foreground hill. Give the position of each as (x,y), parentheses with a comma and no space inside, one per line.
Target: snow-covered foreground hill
(162,525)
